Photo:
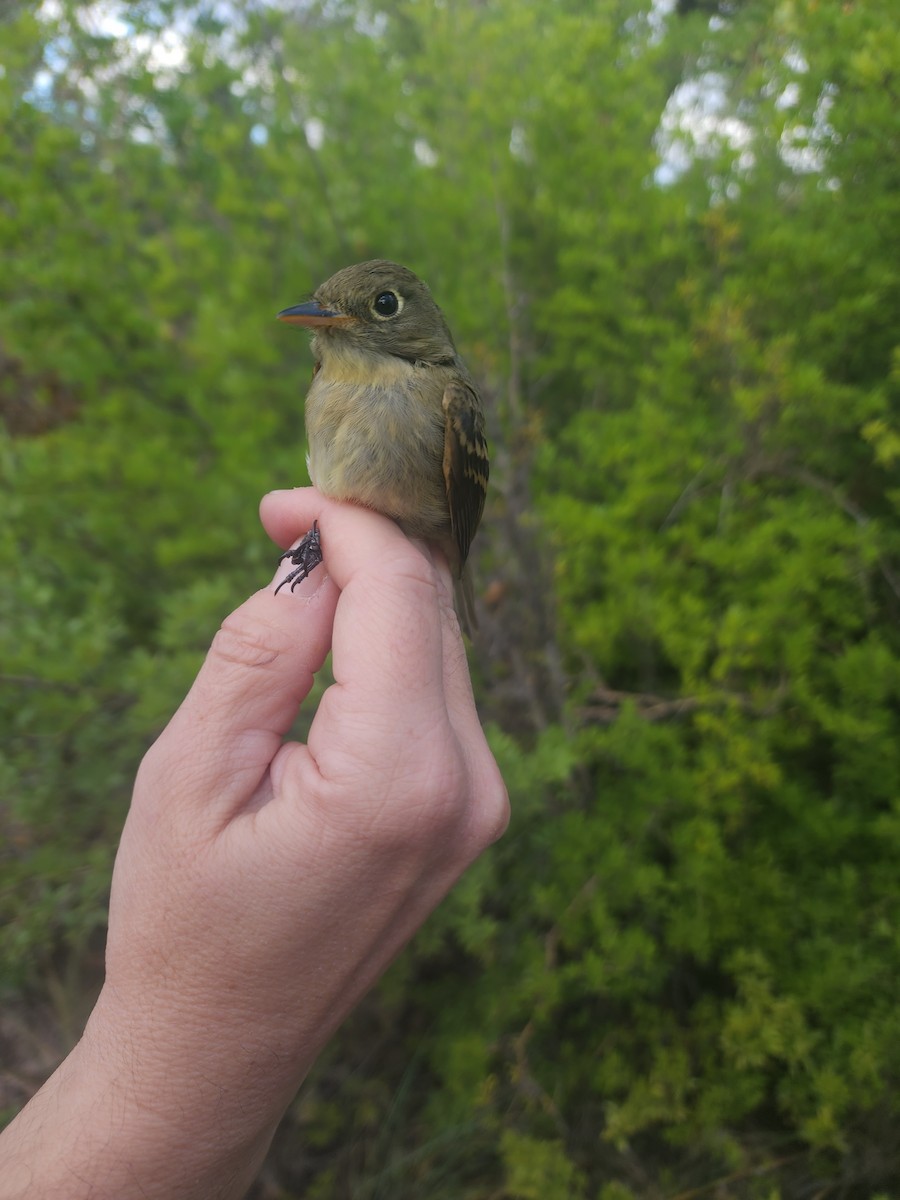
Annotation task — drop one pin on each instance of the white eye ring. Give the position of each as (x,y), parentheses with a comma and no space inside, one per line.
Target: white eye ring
(391,304)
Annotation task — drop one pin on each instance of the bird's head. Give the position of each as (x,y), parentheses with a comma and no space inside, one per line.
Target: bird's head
(375,307)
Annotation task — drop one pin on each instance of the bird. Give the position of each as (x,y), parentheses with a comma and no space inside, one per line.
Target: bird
(394,421)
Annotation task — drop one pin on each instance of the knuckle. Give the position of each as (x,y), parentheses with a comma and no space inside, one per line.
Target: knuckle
(490,801)
(245,643)
(496,813)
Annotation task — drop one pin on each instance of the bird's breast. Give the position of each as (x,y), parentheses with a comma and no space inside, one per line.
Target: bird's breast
(380,442)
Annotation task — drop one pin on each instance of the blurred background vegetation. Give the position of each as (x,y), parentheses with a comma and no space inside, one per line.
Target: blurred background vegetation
(666,238)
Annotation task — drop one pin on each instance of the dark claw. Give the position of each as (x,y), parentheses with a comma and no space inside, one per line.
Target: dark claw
(305,557)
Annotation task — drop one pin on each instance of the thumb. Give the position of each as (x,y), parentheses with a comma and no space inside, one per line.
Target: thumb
(215,753)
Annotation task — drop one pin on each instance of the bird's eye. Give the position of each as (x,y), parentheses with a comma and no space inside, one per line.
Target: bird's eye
(387,304)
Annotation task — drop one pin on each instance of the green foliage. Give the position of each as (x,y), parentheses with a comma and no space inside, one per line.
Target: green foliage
(677,973)
(539,1170)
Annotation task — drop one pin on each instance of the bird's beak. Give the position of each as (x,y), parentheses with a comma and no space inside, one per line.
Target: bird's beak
(312,315)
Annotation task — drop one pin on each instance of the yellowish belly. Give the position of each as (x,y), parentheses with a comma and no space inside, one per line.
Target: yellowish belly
(381,447)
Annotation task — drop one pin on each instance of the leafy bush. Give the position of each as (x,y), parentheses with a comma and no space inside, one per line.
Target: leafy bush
(677,973)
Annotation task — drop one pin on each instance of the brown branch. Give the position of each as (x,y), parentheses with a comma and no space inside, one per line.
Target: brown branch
(607,704)
(743,1173)
(862,518)
(33,682)
(554,933)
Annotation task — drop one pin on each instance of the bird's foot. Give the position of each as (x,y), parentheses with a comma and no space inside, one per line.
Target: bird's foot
(304,558)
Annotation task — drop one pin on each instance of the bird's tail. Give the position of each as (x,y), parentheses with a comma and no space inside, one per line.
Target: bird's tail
(464,598)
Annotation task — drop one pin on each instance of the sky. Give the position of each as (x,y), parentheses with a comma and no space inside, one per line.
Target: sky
(696,120)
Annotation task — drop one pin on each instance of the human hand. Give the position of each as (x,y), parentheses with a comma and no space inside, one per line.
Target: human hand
(261,888)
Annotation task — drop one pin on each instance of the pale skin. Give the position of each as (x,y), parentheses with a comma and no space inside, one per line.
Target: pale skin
(261,887)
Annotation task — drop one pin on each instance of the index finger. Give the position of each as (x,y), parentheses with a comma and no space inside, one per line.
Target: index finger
(387,637)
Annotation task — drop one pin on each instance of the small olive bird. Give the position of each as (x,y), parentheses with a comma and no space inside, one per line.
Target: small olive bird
(393,420)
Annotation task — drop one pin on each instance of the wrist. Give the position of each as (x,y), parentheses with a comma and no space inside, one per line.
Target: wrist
(117,1119)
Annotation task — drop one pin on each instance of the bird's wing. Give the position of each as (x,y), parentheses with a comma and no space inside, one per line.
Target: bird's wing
(465,462)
